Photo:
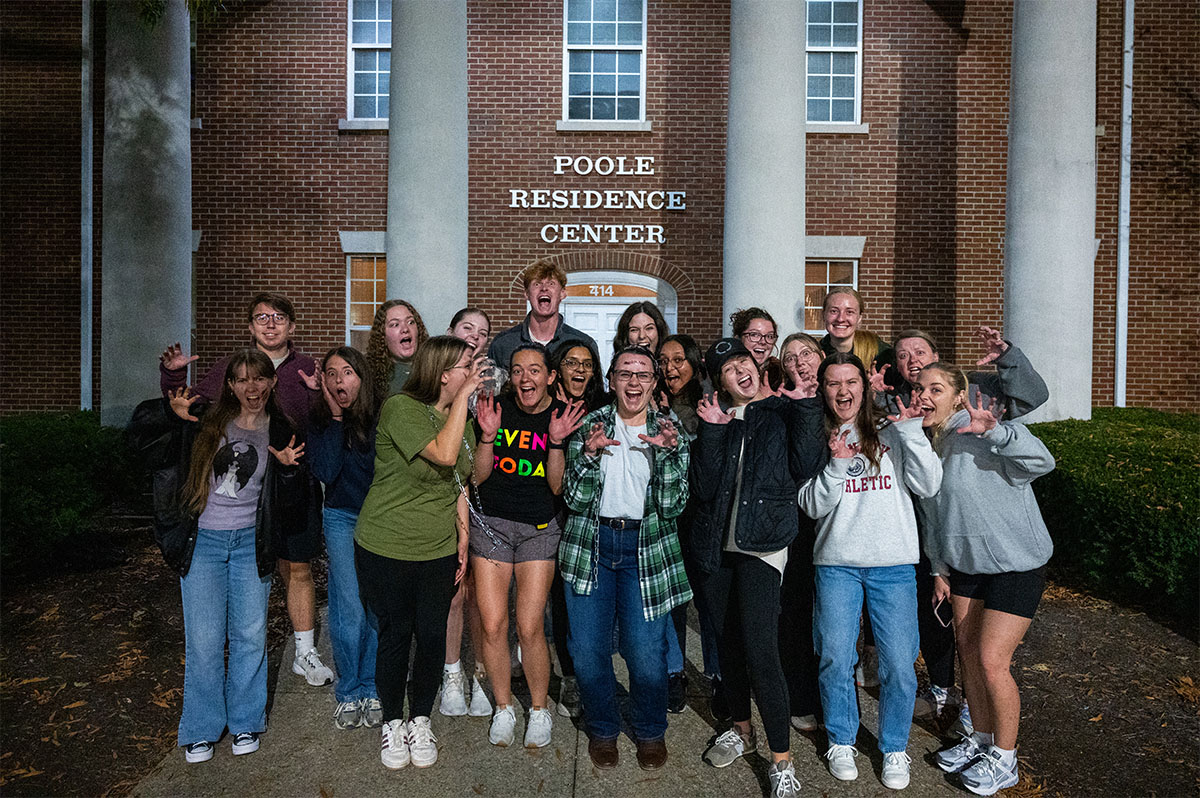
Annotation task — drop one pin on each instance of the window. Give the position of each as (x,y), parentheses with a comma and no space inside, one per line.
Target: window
(366,288)
(834,61)
(605,61)
(819,277)
(370,59)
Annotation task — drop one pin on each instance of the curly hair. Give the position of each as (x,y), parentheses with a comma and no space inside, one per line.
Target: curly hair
(379,358)
(740,319)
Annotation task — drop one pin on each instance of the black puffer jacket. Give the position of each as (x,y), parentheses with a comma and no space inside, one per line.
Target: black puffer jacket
(288,499)
(785,445)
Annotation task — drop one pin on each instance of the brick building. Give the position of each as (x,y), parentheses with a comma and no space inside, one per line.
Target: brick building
(904,176)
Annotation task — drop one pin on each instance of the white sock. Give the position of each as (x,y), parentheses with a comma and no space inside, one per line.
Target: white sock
(1008,756)
(304,642)
(454,667)
(982,739)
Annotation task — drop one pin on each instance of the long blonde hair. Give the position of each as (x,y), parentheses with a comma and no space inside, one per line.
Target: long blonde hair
(957,380)
(435,357)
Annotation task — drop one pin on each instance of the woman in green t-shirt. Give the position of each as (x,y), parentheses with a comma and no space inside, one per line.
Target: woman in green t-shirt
(411,538)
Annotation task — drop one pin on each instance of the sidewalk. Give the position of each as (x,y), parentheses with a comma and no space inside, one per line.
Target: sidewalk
(303,754)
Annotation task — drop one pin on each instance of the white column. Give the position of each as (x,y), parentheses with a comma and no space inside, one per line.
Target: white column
(146,277)
(1051,202)
(427,158)
(764,161)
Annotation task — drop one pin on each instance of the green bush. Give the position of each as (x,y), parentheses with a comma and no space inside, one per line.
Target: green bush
(1123,506)
(59,474)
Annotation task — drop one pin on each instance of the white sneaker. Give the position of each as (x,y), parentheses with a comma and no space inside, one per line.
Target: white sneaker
(198,752)
(538,728)
(422,745)
(454,702)
(841,762)
(805,723)
(308,664)
(989,774)
(480,706)
(372,712)
(957,757)
(503,724)
(348,715)
(963,725)
(866,672)
(245,743)
(930,702)
(895,770)
(393,746)
(784,783)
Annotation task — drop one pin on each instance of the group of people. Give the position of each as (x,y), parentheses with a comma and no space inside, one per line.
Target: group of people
(783,489)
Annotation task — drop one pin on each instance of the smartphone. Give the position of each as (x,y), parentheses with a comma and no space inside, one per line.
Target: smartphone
(943,612)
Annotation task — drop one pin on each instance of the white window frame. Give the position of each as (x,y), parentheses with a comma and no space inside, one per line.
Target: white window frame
(565,123)
(856,125)
(825,260)
(351,121)
(350,258)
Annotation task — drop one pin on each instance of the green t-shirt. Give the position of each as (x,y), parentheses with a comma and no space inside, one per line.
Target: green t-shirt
(409,512)
(400,371)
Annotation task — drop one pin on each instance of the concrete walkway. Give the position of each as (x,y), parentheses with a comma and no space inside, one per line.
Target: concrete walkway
(302,754)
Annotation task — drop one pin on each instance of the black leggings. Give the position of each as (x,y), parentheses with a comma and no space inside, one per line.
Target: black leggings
(407,597)
(559,625)
(937,641)
(796,651)
(743,597)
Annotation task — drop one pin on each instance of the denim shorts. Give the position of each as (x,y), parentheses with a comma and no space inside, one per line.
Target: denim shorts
(514,541)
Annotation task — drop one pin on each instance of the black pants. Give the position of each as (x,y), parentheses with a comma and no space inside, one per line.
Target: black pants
(743,597)
(559,625)
(796,650)
(937,641)
(409,597)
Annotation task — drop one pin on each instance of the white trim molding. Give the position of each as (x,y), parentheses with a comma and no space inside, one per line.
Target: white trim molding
(834,247)
(369,242)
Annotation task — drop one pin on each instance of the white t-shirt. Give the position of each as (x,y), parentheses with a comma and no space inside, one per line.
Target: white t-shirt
(775,559)
(626,472)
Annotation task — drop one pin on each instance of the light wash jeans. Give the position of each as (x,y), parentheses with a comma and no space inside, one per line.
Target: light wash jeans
(353,630)
(891,594)
(223,596)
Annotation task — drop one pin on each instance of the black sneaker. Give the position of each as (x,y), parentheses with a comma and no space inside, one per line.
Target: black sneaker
(198,752)
(718,705)
(676,693)
(245,743)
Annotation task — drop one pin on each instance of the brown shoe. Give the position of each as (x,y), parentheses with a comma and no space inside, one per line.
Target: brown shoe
(651,754)
(604,753)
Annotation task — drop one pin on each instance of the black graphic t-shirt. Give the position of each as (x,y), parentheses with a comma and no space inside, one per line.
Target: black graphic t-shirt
(237,478)
(517,489)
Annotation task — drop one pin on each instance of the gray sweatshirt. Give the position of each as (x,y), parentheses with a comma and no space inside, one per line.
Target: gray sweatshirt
(864,515)
(985,519)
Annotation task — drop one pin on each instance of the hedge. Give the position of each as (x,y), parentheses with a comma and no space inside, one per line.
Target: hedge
(1123,507)
(60,473)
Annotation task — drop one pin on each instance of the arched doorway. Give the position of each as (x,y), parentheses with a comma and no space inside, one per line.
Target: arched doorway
(596,299)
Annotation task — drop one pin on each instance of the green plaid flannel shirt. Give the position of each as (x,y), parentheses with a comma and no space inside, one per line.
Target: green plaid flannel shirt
(663,583)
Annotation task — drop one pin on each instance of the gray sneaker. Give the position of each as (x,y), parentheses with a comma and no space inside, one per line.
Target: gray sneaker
(784,783)
(728,746)
(372,712)
(348,715)
(568,698)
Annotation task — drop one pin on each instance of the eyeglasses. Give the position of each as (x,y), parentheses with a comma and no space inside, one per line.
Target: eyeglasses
(755,336)
(571,364)
(263,319)
(640,376)
(663,362)
(805,354)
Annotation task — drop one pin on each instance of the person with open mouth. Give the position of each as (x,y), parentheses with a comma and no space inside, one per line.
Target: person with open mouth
(625,484)
(988,548)
(396,334)
(749,457)
(843,311)
(641,324)
(756,328)
(867,546)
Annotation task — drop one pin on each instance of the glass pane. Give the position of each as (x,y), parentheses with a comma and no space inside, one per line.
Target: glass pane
(628,109)
(362,291)
(385,60)
(604,62)
(629,33)
(820,11)
(604,10)
(818,110)
(364,82)
(814,272)
(364,60)
(630,63)
(814,295)
(818,86)
(843,111)
(629,84)
(363,32)
(629,10)
(381,273)
(383,107)
(842,87)
(362,315)
(818,36)
(604,33)
(363,9)
(362,269)
(579,108)
(364,107)
(579,84)
(812,319)
(579,10)
(604,108)
(843,63)
(841,271)
(845,12)
(385,32)
(385,10)
(580,61)
(818,63)
(845,35)
(604,84)
(385,82)
(579,33)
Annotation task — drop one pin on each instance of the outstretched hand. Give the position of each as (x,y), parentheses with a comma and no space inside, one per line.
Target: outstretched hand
(289,455)
(597,441)
(667,437)
(983,418)
(173,358)
(181,402)
(839,448)
(487,413)
(566,421)
(993,344)
(312,381)
(878,383)
(806,386)
(710,410)
(912,411)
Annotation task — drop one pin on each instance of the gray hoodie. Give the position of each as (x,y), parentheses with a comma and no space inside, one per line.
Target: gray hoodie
(985,519)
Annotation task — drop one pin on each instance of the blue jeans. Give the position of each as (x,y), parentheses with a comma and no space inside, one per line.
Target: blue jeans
(223,596)
(353,630)
(891,594)
(643,644)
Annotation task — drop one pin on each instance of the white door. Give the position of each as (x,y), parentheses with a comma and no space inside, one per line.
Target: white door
(598,319)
